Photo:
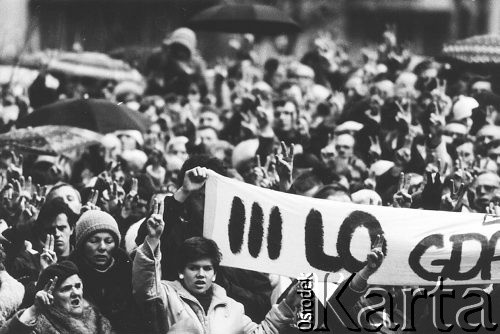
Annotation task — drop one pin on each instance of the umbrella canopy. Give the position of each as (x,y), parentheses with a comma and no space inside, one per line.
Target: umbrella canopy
(482,49)
(93,114)
(255,19)
(82,64)
(17,75)
(49,139)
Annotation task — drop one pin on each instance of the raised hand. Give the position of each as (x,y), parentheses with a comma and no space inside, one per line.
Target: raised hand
(493,209)
(284,164)
(38,196)
(374,260)
(155,224)
(431,195)
(439,167)
(479,165)
(48,256)
(463,173)
(28,215)
(402,199)
(44,298)
(439,94)
(23,187)
(15,170)
(404,114)
(437,117)
(257,175)
(92,201)
(195,179)
(131,199)
(452,201)
(133,194)
(112,197)
(376,255)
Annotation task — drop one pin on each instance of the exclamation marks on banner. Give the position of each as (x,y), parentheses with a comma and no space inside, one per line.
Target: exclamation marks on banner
(274,233)
(236,229)
(256,233)
(236,225)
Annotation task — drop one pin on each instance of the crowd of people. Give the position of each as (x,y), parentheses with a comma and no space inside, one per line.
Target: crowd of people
(109,238)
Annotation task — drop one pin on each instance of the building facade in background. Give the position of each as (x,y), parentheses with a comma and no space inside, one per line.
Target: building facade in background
(108,25)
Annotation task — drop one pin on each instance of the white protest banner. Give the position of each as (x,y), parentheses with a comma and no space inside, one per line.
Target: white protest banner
(273,232)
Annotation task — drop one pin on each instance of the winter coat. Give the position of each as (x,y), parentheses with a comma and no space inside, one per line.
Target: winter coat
(182,312)
(59,322)
(111,291)
(11,296)
(250,288)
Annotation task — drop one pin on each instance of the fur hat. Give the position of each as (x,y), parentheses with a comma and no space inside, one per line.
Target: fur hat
(93,221)
(62,270)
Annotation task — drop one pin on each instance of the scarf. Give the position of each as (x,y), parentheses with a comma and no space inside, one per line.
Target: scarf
(90,321)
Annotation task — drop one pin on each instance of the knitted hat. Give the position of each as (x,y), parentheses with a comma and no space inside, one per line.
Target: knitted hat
(183,36)
(93,221)
(62,270)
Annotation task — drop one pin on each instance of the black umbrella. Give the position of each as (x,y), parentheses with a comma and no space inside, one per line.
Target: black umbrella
(49,139)
(256,19)
(97,115)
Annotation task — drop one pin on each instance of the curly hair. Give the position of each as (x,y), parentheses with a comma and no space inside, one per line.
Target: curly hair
(198,248)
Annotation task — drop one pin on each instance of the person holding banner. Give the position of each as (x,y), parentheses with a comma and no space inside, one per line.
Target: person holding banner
(184,212)
(195,304)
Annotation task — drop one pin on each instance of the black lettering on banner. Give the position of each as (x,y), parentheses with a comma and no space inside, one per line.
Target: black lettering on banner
(236,227)
(349,225)
(256,233)
(315,240)
(451,267)
(452,270)
(490,256)
(274,233)
(435,240)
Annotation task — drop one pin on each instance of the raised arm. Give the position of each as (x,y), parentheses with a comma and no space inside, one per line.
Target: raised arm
(146,269)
